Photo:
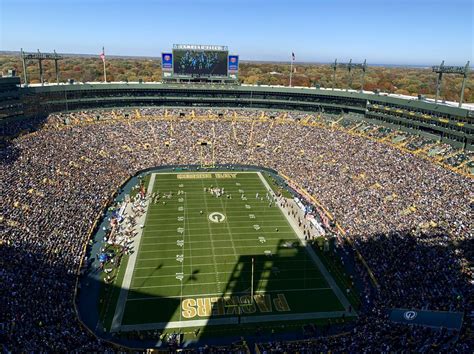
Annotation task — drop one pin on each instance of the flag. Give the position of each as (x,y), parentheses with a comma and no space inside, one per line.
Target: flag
(293,56)
(102,56)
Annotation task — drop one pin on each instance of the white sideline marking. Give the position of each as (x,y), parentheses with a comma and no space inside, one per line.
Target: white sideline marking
(117,321)
(127,279)
(339,294)
(174,285)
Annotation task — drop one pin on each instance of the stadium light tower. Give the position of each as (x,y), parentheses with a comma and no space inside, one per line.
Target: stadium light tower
(40,63)
(349,66)
(363,68)
(458,70)
(349,75)
(40,57)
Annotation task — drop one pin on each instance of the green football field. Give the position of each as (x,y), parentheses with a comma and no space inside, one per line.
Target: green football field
(205,259)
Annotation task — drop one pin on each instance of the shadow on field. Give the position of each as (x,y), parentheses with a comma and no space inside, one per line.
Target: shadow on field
(41,286)
(280,282)
(282,275)
(97,306)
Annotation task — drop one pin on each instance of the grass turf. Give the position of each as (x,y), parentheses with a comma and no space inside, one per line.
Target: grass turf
(217,256)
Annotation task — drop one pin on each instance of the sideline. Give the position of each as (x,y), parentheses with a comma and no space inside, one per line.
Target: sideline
(331,282)
(127,279)
(302,191)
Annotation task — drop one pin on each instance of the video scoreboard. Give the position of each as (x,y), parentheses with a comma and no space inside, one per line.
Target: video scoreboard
(190,61)
(200,63)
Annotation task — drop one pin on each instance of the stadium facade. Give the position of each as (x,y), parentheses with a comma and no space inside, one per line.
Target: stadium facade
(442,122)
(439,121)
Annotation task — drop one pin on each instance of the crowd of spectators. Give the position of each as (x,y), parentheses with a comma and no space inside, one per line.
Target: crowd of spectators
(409,218)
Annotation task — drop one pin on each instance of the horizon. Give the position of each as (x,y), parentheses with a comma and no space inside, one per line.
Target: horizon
(426,31)
(258,61)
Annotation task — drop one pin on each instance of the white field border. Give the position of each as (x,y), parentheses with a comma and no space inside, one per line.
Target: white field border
(117,326)
(299,233)
(127,279)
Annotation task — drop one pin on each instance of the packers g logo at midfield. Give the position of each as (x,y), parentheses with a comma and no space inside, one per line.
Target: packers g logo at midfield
(216,217)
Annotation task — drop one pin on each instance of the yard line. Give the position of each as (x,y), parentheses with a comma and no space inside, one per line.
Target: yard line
(182,253)
(202,249)
(218,284)
(204,256)
(218,263)
(231,272)
(174,285)
(197,208)
(207,241)
(198,173)
(235,191)
(223,234)
(165,286)
(243,216)
(186,222)
(227,224)
(200,228)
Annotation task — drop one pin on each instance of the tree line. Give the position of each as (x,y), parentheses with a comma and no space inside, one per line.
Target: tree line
(400,80)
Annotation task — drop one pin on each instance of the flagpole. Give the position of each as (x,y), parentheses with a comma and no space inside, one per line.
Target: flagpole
(105,72)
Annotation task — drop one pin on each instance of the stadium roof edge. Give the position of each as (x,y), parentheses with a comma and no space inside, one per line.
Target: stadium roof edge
(389,98)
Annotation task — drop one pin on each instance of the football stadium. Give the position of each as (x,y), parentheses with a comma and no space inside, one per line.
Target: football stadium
(198,214)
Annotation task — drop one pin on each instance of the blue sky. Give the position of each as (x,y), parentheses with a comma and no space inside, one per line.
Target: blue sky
(385,31)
